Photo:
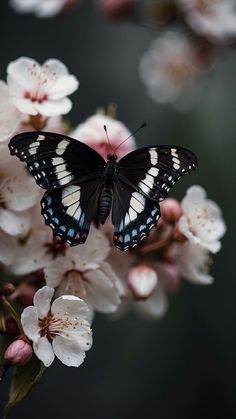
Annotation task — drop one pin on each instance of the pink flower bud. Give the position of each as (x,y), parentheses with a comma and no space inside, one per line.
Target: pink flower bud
(8,288)
(18,353)
(116,9)
(142,281)
(25,298)
(171,210)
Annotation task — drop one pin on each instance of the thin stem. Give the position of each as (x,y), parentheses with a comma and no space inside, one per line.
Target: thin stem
(9,308)
(157,245)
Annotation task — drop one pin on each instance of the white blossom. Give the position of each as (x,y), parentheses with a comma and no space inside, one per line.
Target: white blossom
(10,117)
(18,193)
(84,272)
(169,68)
(36,251)
(59,329)
(92,132)
(194,262)
(37,89)
(215,19)
(201,222)
(41,8)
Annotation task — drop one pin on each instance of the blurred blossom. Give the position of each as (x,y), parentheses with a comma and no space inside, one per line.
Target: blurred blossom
(155,306)
(42,8)
(141,281)
(52,124)
(60,329)
(214,19)
(194,262)
(36,251)
(18,193)
(18,353)
(7,248)
(171,67)
(202,222)
(10,117)
(92,132)
(37,89)
(84,272)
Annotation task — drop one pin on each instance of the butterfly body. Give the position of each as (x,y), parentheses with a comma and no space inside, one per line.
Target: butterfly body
(81,187)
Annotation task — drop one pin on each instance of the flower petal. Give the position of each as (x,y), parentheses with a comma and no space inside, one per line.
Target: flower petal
(10,118)
(43,350)
(42,301)
(69,305)
(68,351)
(102,291)
(54,107)
(14,223)
(155,306)
(30,322)
(8,246)
(55,270)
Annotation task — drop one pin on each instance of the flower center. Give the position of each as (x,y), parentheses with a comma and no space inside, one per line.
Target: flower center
(53,326)
(5,189)
(56,248)
(73,283)
(36,97)
(178,71)
(204,7)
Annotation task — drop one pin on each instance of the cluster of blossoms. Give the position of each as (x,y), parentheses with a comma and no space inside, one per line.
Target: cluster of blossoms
(193,32)
(60,288)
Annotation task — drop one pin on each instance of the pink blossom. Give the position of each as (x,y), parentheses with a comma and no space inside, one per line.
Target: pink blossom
(92,132)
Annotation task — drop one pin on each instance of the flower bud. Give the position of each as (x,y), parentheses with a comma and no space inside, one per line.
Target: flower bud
(26,295)
(18,353)
(142,281)
(8,288)
(116,9)
(171,210)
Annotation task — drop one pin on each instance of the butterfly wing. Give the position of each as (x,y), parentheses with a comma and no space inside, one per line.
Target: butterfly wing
(153,171)
(133,216)
(70,210)
(144,178)
(55,160)
(71,172)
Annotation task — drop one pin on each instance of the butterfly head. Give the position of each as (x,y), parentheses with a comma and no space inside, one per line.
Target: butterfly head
(112,157)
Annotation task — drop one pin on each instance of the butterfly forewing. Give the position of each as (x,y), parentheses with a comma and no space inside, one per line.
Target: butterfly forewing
(153,171)
(71,172)
(56,160)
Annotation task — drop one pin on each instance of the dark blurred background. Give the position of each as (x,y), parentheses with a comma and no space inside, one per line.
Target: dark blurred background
(182,366)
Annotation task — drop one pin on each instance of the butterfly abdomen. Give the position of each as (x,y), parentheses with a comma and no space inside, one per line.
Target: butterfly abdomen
(105,202)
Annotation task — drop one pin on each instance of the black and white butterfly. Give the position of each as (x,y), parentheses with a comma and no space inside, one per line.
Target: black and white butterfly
(83,188)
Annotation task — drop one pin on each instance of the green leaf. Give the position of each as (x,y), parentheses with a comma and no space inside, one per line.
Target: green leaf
(23,380)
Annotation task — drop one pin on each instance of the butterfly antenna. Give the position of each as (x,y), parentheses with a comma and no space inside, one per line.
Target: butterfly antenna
(134,132)
(105,129)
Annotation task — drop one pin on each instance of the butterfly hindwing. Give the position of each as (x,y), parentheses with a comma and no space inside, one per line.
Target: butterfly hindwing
(70,210)
(133,216)
(153,171)
(56,160)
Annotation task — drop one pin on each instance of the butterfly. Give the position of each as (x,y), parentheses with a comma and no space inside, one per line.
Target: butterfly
(81,187)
